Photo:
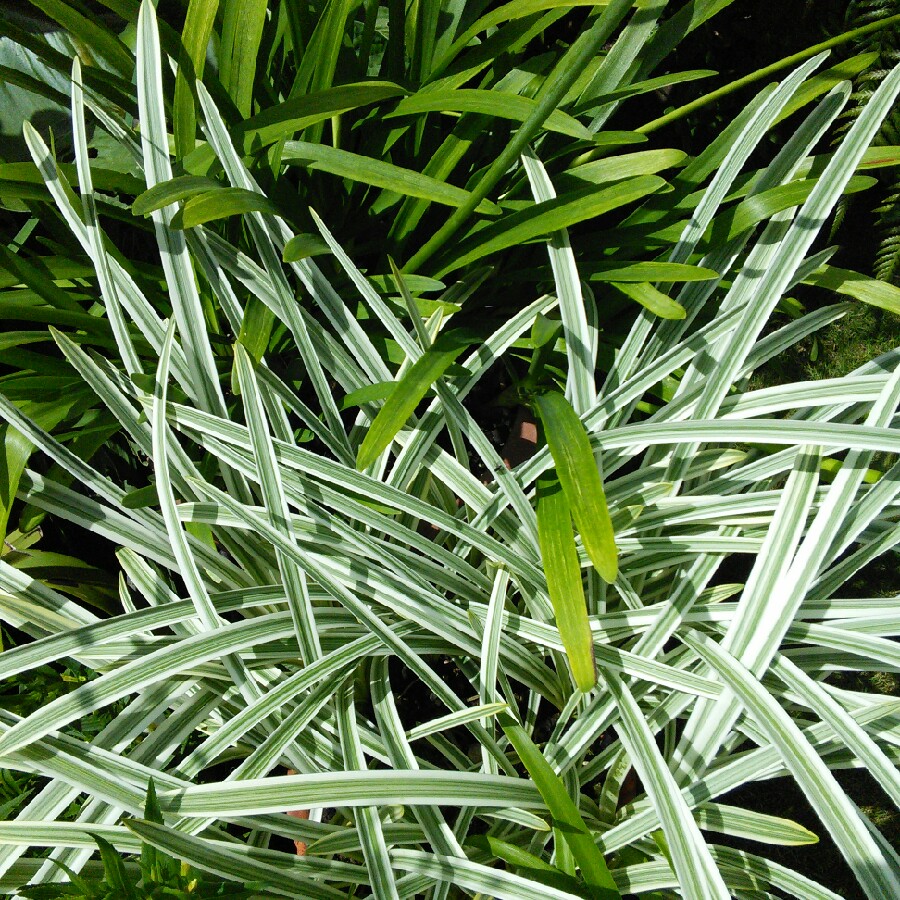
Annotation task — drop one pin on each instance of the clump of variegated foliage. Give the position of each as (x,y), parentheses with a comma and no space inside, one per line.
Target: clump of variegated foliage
(319,561)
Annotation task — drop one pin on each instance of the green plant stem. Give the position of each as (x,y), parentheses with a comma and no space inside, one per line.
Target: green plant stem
(759,74)
(568,70)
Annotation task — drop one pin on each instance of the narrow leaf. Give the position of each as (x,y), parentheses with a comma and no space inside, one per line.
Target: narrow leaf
(407,393)
(564,811)
(564,581)
(579,476)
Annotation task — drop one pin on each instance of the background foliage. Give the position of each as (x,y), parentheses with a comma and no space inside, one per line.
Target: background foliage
(287,274)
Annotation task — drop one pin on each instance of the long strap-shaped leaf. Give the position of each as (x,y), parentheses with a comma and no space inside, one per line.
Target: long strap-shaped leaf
(580,347)
(407,393)
(176,263)
(369,825)
(555,88)
(194,37)
(564,582)
(276,506)
(877,874)
(579,476)
(227,860)
(564,811)
(697,873)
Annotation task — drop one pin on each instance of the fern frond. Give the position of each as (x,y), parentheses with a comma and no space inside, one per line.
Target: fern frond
(886,42)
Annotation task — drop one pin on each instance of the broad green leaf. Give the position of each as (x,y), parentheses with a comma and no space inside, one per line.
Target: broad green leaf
(302,246)
(294,115)
(565,813)
(579,476)
(547,217)
(242,26)
(141,497)
(378,173)
(490,103)
(860,287)
(564,581)
(388,284)
(15,449)
(652,299)
(318,65)
(256,329)
(626,165)
(57,268)
(766,204)
(506,13)
(222,203)
(407,394)
(155,866)
(371,393)
(111,180)
(90,33)
(40,274)
(649,271)
(195,35)
(179,188)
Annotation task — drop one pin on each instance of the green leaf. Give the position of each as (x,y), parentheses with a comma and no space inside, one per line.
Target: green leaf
(141,498)
(294,115)
(90,33)
(766,204)
(15,449)
(650,271)
(302,246)
(625,165)
(860,287)
(567,819)
(579,476)
(242,26)
(490,103)
(222,203)
(156,866)
(172,191)
(407,393)
(114,869)
(388,284)
(508,12)
(654,300)
(195,37)
(544,218)
(564,581)
(371,393)
(379,174)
